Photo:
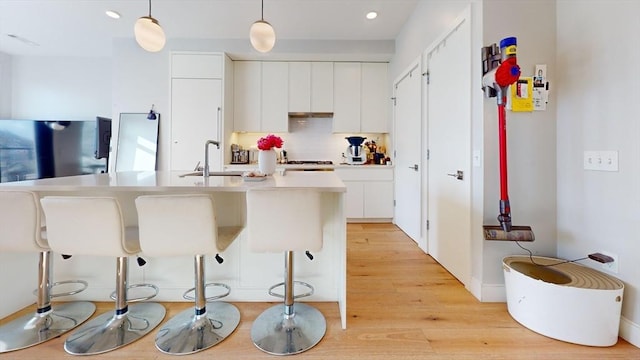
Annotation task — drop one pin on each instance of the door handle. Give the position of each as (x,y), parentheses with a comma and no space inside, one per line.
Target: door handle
(414,167)
(459,175)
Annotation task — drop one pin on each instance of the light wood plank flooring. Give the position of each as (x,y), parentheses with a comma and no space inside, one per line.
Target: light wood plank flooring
(402,305)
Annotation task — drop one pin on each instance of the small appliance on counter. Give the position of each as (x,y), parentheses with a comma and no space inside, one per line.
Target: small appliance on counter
(355,151)
(238,155)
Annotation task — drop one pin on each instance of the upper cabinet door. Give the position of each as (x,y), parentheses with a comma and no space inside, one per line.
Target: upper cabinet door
(300,87)
(196,66)
(321,87)
(247,105)
(346,97)
(275,102)
(376,102)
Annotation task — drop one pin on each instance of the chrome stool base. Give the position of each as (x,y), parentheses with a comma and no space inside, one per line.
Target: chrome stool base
(276,334)
(34,329)
(109,331)
(187,333)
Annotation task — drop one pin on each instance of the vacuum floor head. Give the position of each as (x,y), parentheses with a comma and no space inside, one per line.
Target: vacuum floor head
(517,233)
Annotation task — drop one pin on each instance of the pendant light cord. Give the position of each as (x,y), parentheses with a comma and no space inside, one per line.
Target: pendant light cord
(261,14)
(149,8)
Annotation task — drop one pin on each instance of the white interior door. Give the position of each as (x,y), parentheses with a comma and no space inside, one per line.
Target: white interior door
(408,166)
(449,141)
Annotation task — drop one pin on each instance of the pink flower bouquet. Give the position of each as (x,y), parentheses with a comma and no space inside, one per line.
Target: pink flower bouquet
(269,142)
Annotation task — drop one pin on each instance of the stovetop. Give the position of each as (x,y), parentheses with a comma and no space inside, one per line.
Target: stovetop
(310,162)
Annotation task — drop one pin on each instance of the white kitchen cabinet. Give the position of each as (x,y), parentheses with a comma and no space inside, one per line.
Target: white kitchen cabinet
(275,102)
(378,199)
(196,66)
(375,100)
(299,87)
(361,98)
(369,192)
(247,89)
(311,87)
(322,87)
(354,203)
(261,96)
(198,105)
(346,97)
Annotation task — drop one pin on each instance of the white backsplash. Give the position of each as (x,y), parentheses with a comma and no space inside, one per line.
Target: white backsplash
(311,139)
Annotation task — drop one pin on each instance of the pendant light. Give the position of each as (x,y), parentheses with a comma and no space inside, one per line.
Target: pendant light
(262,35)
(149,34)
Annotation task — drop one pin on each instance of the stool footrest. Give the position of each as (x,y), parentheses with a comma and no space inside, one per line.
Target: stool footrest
(83,287)
(211,298)
(139,299)
(309,293)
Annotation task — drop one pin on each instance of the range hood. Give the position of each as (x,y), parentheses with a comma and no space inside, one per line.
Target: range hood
(310,115)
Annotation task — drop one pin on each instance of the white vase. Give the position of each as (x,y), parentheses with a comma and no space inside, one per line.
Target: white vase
(267,161)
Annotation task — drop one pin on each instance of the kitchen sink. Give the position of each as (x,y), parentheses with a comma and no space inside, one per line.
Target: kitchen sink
(214,173)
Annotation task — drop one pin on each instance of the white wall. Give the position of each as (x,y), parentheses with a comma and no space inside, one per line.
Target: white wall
(5,86)
(69,88)
(597,92)
(140,79)
(429,20)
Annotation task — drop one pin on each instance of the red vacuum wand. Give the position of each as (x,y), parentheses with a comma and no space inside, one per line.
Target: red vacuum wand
(507,73)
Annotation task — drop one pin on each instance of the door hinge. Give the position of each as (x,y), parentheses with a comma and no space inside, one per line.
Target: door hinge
(428,154)
(394,101)
(394,202)
(427,224)
(426,75)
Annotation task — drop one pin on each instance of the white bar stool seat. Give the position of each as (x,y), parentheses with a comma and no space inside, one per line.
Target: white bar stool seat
(294,327)
(21,231)
(94,226)
(173,225)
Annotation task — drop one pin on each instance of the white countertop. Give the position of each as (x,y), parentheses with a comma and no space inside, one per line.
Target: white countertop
(309,166)
(326,181)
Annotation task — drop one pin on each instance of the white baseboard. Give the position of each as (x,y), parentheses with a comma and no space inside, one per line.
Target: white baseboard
(475,288)
(493,293)
(630,331)
(487,292)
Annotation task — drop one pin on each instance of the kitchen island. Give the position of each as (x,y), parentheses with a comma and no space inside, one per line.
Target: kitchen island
(248,274)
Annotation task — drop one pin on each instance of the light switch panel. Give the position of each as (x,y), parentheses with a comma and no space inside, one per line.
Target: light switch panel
(601,160)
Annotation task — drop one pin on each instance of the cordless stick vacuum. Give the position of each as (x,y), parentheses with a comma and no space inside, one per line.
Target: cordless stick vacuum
(499,74)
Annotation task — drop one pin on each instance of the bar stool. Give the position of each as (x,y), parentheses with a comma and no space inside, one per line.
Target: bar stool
(294,327)
(94,226)
(21,231)
(173,225)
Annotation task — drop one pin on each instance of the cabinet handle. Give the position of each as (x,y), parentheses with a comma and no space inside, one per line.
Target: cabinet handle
(219,124)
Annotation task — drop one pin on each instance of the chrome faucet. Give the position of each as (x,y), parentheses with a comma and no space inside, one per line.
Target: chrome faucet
(205,171)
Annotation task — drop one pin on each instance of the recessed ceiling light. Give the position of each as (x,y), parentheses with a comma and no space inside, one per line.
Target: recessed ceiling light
(372,15)
(112,14)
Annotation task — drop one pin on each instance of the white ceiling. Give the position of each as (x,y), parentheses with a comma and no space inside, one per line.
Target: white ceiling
(81,28)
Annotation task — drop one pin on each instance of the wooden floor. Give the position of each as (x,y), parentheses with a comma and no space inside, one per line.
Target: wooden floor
(402,305)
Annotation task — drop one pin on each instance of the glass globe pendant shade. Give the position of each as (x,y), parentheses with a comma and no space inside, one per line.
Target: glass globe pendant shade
(149,34)
(262,36)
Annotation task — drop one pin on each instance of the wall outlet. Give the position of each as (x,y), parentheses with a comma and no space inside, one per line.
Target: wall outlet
(612,266)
